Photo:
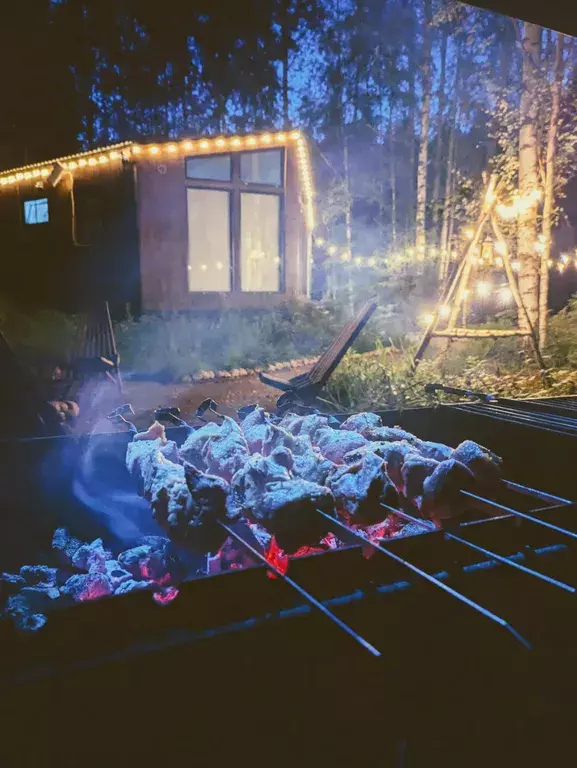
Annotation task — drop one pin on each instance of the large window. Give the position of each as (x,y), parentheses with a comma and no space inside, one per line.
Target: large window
(235,204)
(208,240)
(36,211)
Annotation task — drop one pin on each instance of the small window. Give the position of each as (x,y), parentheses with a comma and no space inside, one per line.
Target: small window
(211,168)
(262,167)
(208,240)
(36,211)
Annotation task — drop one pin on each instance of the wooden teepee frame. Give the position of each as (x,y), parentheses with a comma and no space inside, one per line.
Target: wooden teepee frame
(455,292)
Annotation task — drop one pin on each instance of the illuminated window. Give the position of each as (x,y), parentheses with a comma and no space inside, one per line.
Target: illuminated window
(261,167)
(259,250)
(36,211)
(208,240)
(210,167)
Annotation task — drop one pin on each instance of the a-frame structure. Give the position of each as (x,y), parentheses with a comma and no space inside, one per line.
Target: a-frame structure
(457,287)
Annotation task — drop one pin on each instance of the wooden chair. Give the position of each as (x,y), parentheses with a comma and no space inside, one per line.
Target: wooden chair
(306,387)
(94,353)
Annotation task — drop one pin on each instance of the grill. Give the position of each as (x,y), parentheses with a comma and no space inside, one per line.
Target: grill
(452,647)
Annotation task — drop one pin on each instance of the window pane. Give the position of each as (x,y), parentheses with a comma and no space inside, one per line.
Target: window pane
(259,248)
(212,167)
(261,167)
(208,240)
(36,211)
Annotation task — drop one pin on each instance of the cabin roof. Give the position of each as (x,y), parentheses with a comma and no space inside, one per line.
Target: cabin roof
(170,149)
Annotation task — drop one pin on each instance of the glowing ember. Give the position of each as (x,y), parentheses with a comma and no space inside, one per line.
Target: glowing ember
(165,596)
(277,557)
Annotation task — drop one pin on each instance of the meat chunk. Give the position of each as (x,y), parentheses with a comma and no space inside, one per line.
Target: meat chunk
(288,510)
(362,422)
(249,483)
(192,448)
(193,516)
(277,437)
(483,463)
(226,452)
(437,451)
(142,458)
(377,447)
(416,469)
(254,428)
(395,456)
(334,444)
(312,466)
(360,488)
(310,425)
(441,490)
(155,431)
(391,434)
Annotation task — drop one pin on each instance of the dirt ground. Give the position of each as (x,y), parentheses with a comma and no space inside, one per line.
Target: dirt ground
(144,397)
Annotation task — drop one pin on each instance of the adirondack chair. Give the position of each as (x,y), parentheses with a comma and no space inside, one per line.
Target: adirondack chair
(306,387)
(94,353)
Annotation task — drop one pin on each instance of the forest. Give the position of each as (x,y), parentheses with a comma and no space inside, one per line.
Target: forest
(410,108)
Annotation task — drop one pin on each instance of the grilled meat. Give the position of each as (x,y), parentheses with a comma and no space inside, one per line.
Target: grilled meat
(155,431)
(249,483)
(226,452)
(360,488)
(395,456)
(391,434)
(362,422)
(192,449)
(437,451)
(288,510)
(334,444)
(254,428)
(308,462)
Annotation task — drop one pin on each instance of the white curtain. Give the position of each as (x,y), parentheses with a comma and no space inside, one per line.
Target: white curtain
(259,250)
(208,240)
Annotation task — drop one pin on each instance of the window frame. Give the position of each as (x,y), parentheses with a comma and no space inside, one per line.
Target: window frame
(236,186)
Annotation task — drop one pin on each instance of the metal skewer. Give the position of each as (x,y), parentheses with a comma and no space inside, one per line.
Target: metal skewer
(349,533)
(308,597)
(487,552)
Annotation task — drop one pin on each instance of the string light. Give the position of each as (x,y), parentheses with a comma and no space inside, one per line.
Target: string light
(372,262)
(499,261)
(445,311)
(186,145)
(516,266)
(564,258)
(427,319)
(505,294)
(469,233)
(561,267)
(483,289)
(331,250)
(500,247)
(358,261)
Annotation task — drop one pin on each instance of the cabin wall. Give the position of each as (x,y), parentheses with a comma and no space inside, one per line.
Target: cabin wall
(41,264)
(163,230)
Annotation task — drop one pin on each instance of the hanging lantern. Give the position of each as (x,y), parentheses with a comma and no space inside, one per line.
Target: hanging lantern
(487,250)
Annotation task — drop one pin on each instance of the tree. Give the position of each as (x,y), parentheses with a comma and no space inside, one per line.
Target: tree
(420,223)
(529,177)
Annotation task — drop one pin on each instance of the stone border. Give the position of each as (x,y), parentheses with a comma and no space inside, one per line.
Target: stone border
(239,373)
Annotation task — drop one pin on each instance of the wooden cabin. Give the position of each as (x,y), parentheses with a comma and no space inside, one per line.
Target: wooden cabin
(177,225)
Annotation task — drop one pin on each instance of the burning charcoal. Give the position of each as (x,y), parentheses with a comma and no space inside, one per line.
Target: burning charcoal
(39,598)
(155,568)
(436,451)
(88,586)
(38,575)
(18,609)
(155,431)
(441,490)
(117,574)
(334,444)
(165,596)
(395,456)
(360,488)
(131,585)
(254,428)
(483,463)
(377,447)
(227,452)
(416,469)
(192,448)
(154,542)
(288,510)
(362,422)
(65,544)
(261,534)
(130,559)
(91,557)
(10,584)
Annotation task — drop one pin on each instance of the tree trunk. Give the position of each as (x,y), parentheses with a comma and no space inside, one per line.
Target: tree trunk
(529,178)
(393,177)
(421,237)
(448,202)
(549,201)
(439,131)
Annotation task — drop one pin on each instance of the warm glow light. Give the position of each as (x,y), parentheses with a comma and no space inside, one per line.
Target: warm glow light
(564,258)
(550,263)
(427,319)
(219,265)
(220,142)
(113,156)
(102,159)
(204,144)
(516,266)
(445,311)
(331,250)
(203,267)
(469,233)
(432,251)
(11,179)
(36,173)
(172,148)
(358,261)
(320,241)
(236,142)
(500,247)
(372,262)
(266,139)
(505,294)
(19,176)
(561,268)
(153,150)
(82,162)
(466,293)
(499,261)
(3,182)
(251,141)
(45,172)
(91,161)
(187,146)
(72,165)
(27,175)
(136,149)
(295,135)
(483,289)
(281,137)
